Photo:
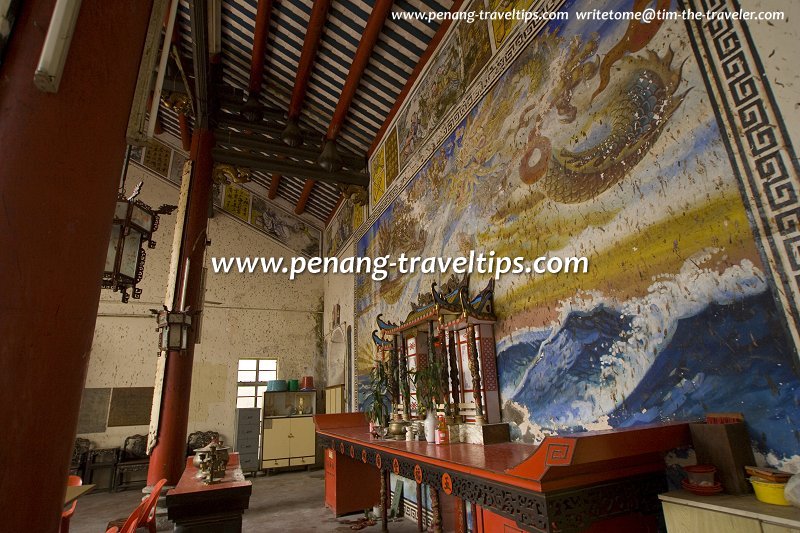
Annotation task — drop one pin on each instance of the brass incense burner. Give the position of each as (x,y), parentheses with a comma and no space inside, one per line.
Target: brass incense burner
(211,461)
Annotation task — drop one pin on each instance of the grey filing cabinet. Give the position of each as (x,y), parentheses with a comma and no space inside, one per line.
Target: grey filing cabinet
(248,429)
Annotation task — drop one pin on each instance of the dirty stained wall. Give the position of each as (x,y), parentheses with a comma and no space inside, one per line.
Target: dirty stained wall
(688,305)
(338,290)
(246,315)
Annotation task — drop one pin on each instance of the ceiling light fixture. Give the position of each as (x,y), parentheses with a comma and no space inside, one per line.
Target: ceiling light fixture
(56,45)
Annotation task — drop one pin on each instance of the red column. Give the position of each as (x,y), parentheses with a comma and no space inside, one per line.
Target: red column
(60,160)
(167,459)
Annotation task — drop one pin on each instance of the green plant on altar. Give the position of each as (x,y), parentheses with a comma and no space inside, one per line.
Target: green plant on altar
(428,382)
(375,402)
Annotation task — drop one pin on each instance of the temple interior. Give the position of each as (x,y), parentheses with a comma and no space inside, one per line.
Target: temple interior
(465,266)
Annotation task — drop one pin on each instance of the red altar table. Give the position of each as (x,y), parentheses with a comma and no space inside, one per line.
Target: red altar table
(199,508)
(594,481)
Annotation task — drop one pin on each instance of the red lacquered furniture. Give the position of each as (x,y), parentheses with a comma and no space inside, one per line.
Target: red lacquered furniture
(593,482)
(199,508)
(72,481)
(341,496)
(143,516)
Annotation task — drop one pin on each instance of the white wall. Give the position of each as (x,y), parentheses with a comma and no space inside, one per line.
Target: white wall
(776,42)
(338,289)
(253,315)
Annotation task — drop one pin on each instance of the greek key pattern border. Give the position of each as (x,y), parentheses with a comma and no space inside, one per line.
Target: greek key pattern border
(758,144)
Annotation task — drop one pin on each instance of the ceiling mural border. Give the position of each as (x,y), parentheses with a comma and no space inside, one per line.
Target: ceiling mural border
(484,81)
(491,73)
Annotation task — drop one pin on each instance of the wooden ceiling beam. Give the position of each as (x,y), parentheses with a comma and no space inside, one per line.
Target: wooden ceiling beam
(229,121)
(300,208)
(263,13)
(368,40)
(198,12)
(274,184)
(252,109)
(316,22)
(289,168)
(261,144)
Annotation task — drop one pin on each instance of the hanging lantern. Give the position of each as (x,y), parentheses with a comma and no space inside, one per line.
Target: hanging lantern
(173,327)
(134,223)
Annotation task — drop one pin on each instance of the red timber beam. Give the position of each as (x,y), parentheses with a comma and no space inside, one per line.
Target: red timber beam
(333,211)
(70,183)
(274,184)
(252,109)
(304,196)
(186,132)
(319,12)
(330,158)
(423,60)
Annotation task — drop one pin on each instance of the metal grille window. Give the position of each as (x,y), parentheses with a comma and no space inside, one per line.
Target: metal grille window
(252,378)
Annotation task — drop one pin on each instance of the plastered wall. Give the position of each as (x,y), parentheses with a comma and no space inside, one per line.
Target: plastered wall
(246,315)
(684,309)
(338,290)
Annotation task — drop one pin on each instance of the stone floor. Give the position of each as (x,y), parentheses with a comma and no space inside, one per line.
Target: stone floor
(290,502)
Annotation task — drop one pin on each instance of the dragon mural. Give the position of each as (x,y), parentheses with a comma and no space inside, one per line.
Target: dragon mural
(599,139)
(642,97)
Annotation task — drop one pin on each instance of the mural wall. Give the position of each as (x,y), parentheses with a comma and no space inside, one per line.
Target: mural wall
(652,150)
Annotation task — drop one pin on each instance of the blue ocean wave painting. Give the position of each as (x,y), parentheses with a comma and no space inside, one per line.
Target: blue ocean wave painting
(701,341)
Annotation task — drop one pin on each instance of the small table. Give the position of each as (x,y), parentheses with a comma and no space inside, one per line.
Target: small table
(199,508)
(75,492)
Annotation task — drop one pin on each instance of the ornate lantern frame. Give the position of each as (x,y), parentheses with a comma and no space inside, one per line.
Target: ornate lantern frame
(134,223)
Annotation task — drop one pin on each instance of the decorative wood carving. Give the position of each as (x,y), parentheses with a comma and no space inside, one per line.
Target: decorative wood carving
(567,511)
(474,368)
(455,382)
(436,510)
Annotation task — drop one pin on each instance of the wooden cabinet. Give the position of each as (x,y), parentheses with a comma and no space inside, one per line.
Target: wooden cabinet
(334,399)
(342,474)
(687,513)
(288,439)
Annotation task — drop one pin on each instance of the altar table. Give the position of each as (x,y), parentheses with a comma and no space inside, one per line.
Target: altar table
(584,482)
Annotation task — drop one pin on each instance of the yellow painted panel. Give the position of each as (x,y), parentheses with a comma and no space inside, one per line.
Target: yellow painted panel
(685,519)
(276,438)
(772,528)
(303,437)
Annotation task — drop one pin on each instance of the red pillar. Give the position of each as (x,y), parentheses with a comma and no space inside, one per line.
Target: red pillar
(167,459)
(60,160)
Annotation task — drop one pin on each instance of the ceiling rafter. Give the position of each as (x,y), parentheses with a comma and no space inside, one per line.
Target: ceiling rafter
(297,169)
(319,13)
(252,108)
(330,158)
(261,144)
(308,186)
(274,186)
